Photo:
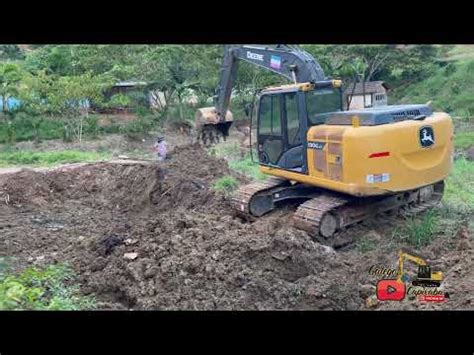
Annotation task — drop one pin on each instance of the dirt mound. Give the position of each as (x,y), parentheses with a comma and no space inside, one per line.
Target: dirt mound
(155,235)
(25,188)
(201,261)
(183,181)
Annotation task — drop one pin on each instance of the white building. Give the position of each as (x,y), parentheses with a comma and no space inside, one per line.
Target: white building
(374,92)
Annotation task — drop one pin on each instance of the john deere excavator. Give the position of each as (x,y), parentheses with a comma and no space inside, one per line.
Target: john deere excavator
(425,276)
(341,166)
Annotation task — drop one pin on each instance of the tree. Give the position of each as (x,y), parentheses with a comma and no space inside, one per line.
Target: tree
(70,97)
(169,69)
(381,62)
(10,52)
(33,93)
(10,77)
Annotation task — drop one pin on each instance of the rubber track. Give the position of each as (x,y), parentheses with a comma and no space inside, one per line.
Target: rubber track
(240,202)
(310,213)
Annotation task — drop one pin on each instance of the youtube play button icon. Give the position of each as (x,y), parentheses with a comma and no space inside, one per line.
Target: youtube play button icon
(390,290)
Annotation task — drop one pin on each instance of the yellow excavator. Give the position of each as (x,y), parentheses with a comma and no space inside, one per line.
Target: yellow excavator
(342,167)
(425,277)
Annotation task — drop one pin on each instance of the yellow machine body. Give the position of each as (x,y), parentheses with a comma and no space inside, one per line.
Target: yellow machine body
(375,160)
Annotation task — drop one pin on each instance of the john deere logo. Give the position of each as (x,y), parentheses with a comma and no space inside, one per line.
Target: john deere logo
(427,137)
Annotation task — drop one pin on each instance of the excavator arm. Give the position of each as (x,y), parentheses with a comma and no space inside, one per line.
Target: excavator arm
(291,62)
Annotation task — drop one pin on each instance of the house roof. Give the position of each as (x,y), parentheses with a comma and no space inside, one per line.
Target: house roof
(130,83)
(370,87)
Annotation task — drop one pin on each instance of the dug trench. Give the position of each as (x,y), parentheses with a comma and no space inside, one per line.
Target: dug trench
(145,235)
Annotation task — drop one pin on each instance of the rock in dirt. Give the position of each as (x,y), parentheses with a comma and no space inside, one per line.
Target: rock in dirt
(366,291)
(130,256)
(372,302)
(469,154)
(108,243)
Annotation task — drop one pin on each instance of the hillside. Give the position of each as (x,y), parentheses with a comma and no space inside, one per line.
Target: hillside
(449,87)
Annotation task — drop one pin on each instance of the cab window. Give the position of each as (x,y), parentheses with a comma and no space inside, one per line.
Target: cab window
(320,103)
(270,123)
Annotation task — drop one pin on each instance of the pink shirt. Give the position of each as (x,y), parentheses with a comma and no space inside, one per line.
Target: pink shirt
(160,148)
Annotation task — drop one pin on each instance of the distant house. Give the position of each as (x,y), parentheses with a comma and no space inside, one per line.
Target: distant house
(375,93)
(124,87)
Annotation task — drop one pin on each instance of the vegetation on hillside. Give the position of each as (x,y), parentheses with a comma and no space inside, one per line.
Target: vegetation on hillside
(58,81)
(449,86)
(38,288)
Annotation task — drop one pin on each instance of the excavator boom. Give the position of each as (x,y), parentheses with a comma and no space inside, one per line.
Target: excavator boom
(291,62)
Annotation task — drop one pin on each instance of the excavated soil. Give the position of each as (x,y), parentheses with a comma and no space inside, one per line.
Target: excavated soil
(143,235)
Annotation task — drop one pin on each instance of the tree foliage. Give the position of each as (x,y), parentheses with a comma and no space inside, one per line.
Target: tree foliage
(56,79)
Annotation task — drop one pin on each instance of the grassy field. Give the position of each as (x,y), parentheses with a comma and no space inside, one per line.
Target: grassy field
(47,159)
(460,184)
(464,140)
(450,87)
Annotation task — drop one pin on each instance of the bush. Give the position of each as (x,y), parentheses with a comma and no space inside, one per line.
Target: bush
(138,128)
(42,289)
(226,183)
(24,128)
(92,126)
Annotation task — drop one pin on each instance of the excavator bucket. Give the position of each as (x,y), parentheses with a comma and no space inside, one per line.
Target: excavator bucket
(208,126)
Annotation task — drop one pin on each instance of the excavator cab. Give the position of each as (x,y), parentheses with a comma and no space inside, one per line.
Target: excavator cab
(424,272)
(284,115)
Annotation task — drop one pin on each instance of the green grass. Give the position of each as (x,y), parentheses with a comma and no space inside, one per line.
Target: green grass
(244,165)
(464,140)
(460,53)
(420,230)
(460,184)
(31,158)
(365,245)
(42,289)
(226,183)
(457,206)
(226,150)
(249,168)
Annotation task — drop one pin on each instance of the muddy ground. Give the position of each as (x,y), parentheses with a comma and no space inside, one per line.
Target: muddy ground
(144,235)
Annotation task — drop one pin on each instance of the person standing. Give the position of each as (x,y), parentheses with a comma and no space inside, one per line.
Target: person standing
(160,148)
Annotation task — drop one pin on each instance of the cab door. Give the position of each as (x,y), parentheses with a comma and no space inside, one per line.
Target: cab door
(293,119)
(281,130)
(269,131)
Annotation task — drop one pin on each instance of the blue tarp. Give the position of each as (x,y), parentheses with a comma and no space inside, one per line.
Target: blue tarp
(12,103)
